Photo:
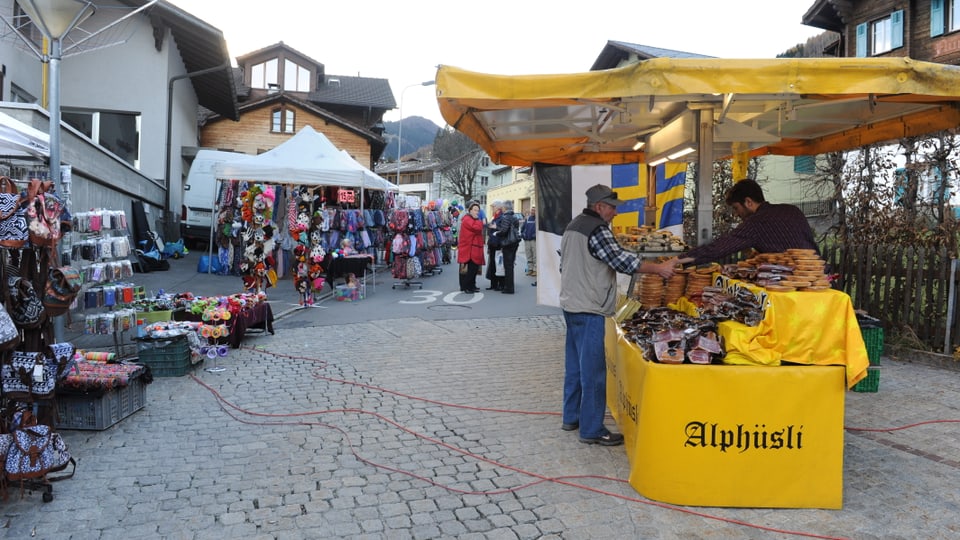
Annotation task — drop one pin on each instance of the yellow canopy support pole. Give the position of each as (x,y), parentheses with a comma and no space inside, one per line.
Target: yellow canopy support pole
(650,209)
(740,161)
(45,76)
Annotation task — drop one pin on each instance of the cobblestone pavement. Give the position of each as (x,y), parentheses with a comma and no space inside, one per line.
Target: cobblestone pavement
(405,428)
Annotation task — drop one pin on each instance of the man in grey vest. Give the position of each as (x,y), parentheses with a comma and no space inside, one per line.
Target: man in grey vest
(590,258)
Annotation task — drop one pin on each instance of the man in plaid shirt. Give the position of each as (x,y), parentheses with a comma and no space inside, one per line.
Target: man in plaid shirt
(765,227)
(590,258)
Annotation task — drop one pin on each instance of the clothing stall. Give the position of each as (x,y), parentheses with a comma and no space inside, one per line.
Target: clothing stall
(300,206)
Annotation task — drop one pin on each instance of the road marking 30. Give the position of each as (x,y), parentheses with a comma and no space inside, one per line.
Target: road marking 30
(426,296)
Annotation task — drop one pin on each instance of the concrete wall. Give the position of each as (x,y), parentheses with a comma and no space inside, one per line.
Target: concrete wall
(100,180)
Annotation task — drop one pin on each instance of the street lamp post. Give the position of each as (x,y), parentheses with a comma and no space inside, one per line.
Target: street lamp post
(54,19)
(400,123)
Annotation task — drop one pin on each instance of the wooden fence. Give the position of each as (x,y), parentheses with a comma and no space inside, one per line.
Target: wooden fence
(912,290)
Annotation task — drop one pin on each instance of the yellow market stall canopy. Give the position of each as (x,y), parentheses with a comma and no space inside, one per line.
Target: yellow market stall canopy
(656,108)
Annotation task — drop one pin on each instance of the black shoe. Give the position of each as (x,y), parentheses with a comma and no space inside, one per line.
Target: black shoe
(607,439)
(491,288)
(570,427)
(506,291)
(474,291)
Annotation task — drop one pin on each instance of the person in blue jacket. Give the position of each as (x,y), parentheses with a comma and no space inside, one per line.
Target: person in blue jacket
(528,233)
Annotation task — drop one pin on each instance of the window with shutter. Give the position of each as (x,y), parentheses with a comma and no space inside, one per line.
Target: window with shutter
(861,40)
(896,29)
(936,17)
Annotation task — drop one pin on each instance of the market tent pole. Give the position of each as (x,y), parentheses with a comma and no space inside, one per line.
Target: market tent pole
(704,202)
(214,212)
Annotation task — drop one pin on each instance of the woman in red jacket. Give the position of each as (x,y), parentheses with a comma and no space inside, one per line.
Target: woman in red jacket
(470,248)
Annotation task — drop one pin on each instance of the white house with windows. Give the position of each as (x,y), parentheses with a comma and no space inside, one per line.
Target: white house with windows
(131,86)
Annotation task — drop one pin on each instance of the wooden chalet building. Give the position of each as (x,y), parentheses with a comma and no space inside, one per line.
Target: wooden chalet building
(927,30)
(280,90)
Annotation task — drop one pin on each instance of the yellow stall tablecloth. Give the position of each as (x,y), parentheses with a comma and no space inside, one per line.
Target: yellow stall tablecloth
(803,327)
(738,436)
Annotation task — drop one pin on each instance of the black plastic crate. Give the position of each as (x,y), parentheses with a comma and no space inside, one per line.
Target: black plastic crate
(99,410)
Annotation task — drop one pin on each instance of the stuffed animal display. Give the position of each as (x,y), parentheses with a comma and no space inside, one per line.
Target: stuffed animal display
(306,229)
(257,268)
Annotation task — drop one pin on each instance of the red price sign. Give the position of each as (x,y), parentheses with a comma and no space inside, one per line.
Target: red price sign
(346,195)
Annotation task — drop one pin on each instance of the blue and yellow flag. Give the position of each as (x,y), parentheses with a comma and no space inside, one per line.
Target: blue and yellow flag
(630,182)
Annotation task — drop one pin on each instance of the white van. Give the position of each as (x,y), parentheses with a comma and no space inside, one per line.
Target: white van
(199,194)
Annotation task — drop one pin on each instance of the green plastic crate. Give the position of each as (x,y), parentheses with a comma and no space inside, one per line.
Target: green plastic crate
(873,339)
(870,383)
(166,357)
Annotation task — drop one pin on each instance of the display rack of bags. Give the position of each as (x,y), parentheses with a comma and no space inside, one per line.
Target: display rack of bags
(35,286)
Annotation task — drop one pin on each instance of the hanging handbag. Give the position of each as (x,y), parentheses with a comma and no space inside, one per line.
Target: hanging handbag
(6,440)
(26,376)
(13,217)
(43,220)
(36,451)
(9,334)
(499,269)
(63,284)
(34,375)
(513,235)
(26,307)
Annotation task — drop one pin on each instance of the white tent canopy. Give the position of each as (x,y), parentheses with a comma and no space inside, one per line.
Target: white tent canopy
(381,182)
(309,159)
(21,140)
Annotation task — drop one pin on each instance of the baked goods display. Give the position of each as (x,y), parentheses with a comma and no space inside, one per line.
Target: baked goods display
(672,337)
(648,239)
(654,291)
(791,270)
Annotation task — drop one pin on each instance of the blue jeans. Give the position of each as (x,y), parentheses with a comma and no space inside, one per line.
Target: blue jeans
(585,378)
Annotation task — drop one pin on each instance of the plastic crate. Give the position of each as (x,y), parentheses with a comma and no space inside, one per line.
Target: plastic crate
(100,410)
(345,293)
(154,316)
(870,383)
(873,339)
(166,357)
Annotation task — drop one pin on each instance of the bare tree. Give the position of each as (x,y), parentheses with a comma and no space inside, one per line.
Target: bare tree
(723,216)
(460,159)
(939,152)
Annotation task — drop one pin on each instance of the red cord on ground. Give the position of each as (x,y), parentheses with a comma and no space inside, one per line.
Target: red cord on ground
(567,480)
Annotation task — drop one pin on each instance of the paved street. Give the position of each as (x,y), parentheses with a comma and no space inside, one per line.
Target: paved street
(434,426)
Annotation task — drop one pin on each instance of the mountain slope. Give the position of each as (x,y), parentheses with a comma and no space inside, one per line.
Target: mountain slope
(417,133)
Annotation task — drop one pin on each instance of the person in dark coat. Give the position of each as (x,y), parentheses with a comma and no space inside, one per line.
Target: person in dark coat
(470,248)
(508,220)
(493,246)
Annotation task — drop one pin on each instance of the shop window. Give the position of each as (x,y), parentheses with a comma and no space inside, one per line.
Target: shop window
(880,36)
(805,164)
(296,78)
(117,132)
(944,16)
(282,120)
(264,75)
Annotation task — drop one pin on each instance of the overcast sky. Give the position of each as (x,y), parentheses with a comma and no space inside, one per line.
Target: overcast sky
(404,41)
